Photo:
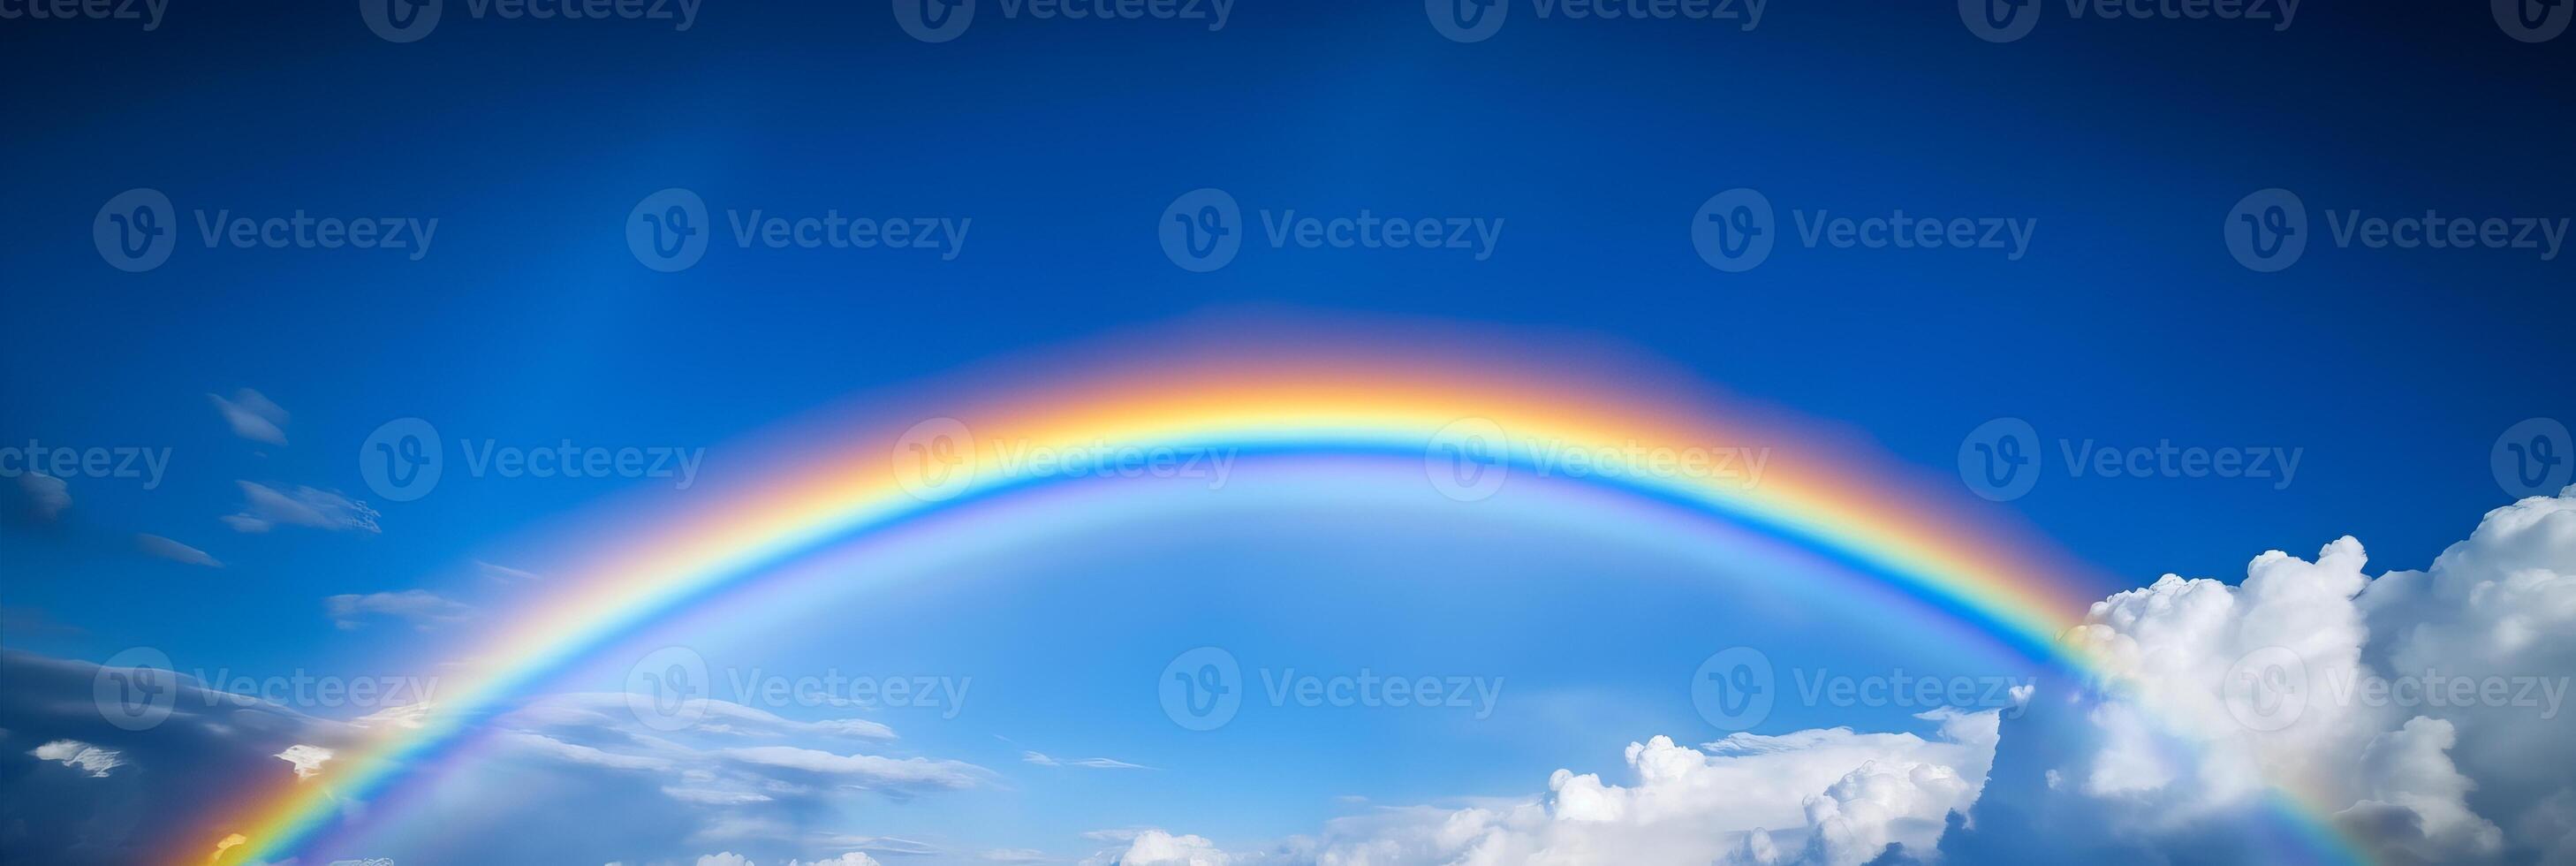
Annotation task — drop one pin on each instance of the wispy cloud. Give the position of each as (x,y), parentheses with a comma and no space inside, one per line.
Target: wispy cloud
(505,573)
(47,495)
(174,551)
(421,608)
(81,756)
(264,508)
(252,416)
(1045,760)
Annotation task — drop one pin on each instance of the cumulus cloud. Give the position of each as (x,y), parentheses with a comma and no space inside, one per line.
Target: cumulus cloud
(419,607)
(47,496)
(174,551)
(252,416)
(1827,796)
(306,758)
(82,756)
(264,509)
(2424,705)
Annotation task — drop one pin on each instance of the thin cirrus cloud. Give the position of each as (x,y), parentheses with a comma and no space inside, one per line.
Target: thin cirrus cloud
(1045,760)
(47,496)
(421,608)
(174,551)
(252,416)
(264,508)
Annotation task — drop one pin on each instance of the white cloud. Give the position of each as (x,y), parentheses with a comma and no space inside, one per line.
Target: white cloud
(725,859)
(505,573)
(1014,855)
(870,771)
(47,495)
(174,551)
(1045,760)
(306,758)
(421,608)
(1829,796)
(604,709)
(2405,701)
(82,756)
(264,509)
(252,416)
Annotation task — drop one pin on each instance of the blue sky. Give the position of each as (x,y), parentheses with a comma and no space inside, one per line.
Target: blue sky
(1584,146)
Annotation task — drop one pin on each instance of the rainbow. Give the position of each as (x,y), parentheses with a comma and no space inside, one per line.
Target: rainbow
(1442,404)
